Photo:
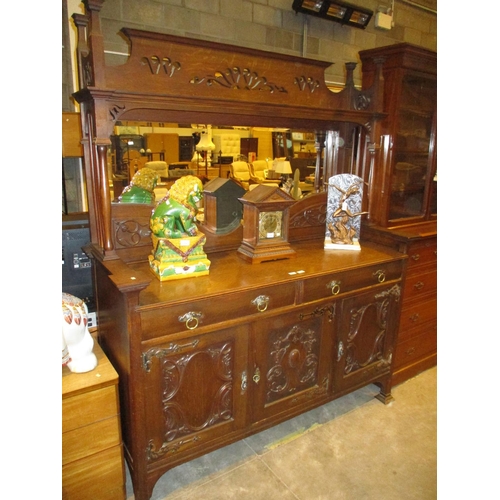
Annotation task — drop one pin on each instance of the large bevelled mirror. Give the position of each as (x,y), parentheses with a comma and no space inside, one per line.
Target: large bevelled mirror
(177,147)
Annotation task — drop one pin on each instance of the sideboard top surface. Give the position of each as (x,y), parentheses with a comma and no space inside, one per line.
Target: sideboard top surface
(229,273)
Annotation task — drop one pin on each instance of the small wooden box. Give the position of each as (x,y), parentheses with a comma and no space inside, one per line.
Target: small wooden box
(92,454)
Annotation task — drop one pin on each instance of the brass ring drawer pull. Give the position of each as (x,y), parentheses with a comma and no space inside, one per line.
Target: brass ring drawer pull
(262,301)
(334,286)
(256,376)
(419,285)
(415,256)
(380,275)
(415,317)
(191,319)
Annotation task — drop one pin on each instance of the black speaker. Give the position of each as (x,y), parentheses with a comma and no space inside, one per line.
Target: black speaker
(76,265)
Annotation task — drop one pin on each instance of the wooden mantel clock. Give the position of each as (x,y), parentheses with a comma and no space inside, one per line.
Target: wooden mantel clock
(265,225)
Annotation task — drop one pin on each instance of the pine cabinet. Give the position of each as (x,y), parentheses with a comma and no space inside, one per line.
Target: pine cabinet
(92,454)
(206,361)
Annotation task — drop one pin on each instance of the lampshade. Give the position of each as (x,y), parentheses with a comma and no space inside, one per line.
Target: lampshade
(282,166)
(205,143)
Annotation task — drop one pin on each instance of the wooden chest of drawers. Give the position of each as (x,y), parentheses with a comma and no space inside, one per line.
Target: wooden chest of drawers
(92,454)
(416,348)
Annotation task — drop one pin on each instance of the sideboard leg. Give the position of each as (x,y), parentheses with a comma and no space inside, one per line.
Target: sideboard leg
(385,391)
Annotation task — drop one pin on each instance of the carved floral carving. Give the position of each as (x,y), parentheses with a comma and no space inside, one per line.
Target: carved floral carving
(156,64)
(130,233)
(178,429)
(315,216)
(381,305)
(304,82)
(239,79)
(294,362)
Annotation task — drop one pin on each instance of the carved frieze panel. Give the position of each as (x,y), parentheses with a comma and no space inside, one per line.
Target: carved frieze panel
(131,233)
(293,362)
(366,337)
(182,391)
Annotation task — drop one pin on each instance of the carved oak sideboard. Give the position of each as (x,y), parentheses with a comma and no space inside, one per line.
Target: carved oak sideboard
(206,361)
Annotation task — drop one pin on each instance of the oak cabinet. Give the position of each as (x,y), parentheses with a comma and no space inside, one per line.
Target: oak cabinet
(290,360)
(196,391)
(403,194)
(405,183)
(366,336)
(206,361)
(416,346)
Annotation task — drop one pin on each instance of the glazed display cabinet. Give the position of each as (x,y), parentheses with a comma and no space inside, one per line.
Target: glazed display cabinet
(403,195)
(405,187)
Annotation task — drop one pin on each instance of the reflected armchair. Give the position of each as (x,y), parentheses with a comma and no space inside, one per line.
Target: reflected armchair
(258,173)
(239,171)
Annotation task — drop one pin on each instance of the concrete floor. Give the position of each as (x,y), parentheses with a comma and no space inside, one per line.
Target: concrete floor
(354,448)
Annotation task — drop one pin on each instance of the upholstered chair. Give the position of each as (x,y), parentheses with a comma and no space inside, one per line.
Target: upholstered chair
(228,144)
(258,173)
(240,172)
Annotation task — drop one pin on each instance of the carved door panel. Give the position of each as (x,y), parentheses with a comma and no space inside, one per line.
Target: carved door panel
(289,360)
(195,391)
(366,336)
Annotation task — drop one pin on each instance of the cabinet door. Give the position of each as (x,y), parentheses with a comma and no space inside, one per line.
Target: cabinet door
(194,390)
(366,335)
(413,188)
(290,359)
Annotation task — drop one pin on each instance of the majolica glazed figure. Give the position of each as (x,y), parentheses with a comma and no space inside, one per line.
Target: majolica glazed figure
(177,243)
(174,216)
(141,187)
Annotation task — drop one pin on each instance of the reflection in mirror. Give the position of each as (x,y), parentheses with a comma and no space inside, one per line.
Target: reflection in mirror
(172,146)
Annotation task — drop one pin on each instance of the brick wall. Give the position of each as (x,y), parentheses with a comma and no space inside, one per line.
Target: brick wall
(269,25)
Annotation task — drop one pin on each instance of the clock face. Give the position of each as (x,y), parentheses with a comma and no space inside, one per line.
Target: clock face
(270,225)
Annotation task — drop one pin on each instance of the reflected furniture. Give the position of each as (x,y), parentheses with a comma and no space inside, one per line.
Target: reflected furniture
(226,145)
(207,361)
(239,171)
(258,172)
(405,206)
(92,454)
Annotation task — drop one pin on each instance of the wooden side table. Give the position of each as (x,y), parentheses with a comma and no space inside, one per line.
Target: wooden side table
(92,454)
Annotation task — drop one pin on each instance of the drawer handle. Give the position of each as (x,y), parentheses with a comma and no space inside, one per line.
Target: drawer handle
(340,350)
(334,286)
(380,275)
(419,285)
(191,319)
(244,382)
(256,375)
(262,301)
(410,351)
(415,317)
(415,256)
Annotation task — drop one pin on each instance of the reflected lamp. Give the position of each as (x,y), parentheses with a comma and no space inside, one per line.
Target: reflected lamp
(283,167)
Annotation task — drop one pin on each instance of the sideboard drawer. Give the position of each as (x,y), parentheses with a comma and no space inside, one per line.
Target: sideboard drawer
(337,283)
(417,314)
(423,252)
(157,322)
(416,347)
(420,284)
